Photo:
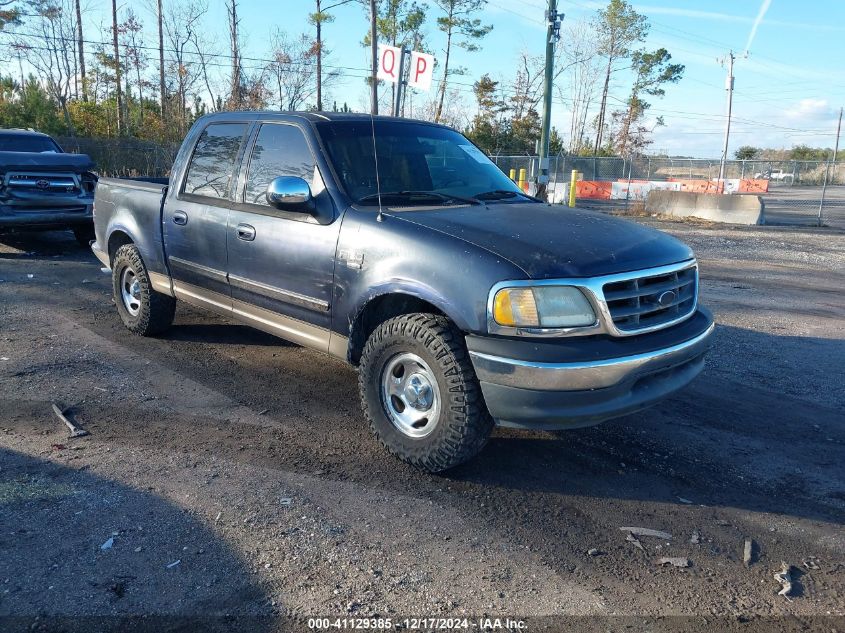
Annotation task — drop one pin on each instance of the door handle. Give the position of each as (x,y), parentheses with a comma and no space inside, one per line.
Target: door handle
(180,218)
(246,232)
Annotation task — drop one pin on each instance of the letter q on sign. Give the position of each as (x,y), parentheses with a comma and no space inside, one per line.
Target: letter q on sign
(388,63)
(422,70)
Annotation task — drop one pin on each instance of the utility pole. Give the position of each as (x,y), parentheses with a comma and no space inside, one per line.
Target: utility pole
(729,86)
(829,163)
(400,84)
(162,95)
(81,48)
(319,20)
(552,36)
(374,55)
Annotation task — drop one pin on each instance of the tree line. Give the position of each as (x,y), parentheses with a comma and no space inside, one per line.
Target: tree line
(152,68)
(799,152)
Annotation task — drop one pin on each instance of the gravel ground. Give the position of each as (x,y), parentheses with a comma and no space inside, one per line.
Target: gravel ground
(229,476)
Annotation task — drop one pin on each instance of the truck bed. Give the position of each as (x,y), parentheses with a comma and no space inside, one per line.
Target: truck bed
(134,206)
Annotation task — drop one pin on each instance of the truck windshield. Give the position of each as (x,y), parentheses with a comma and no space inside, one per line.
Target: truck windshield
(27,143)
(414,159)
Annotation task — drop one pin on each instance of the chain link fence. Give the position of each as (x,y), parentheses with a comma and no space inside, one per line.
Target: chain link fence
(798,193)
(124,157)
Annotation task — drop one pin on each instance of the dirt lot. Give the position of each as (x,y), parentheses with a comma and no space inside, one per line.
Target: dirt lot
(229,476)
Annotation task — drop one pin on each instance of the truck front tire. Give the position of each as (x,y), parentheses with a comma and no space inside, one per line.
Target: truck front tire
(420,394)
(143,310)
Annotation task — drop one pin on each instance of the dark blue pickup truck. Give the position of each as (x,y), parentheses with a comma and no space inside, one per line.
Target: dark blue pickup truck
(399,247)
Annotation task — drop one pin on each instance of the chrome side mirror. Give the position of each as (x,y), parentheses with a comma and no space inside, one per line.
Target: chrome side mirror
(290,193)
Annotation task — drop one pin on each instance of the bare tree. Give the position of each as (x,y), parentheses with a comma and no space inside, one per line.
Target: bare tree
(234,39)
(206,52)
(54,22)
(135,57)
(293,69)
(180,24)
(528,84)
(580,62)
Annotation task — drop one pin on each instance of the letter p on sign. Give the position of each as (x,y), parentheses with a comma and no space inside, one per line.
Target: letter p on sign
(422,70)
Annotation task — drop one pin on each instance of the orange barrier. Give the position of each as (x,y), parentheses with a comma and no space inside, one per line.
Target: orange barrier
(743,185)
(638,189)
(754,185)
(593,189)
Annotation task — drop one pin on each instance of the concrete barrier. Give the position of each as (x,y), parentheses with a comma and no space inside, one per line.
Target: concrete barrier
(734,209)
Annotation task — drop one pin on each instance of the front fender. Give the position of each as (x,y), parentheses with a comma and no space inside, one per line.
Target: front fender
(394,256)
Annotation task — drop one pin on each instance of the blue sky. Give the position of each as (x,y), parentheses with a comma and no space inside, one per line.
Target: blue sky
(788,91)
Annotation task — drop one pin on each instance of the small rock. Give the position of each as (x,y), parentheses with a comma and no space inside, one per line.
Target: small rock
(675,562)
(138,549)
(593,552)
(641,531)
(108,544)
(695,539)
(748,552)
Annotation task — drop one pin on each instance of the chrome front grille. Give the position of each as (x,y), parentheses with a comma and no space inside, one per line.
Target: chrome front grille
(47,182)
(651,301)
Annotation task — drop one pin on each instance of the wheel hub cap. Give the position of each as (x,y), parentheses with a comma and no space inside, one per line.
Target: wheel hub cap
(410,395)
(130,291)
(418,392)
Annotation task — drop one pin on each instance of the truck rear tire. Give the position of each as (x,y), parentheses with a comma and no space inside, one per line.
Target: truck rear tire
(420,393)
(143,310)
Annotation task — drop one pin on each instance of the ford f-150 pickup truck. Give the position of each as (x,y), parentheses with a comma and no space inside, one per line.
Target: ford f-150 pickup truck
(41,187)
(400,248)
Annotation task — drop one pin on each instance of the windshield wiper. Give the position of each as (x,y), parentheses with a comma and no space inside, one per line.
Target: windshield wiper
(418,197)
(501,194)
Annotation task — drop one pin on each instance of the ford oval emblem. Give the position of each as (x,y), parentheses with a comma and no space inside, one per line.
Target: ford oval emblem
(665,299)
(42,183)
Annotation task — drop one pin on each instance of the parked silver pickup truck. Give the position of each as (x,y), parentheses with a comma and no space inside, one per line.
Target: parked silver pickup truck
(400,248)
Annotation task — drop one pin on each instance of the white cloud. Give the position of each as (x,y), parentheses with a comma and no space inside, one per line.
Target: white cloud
(693,13)
(810,110)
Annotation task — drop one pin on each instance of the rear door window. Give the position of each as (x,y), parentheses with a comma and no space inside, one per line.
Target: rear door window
(280,150)
(212,165)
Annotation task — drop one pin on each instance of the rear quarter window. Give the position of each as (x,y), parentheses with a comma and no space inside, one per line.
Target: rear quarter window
(212,165)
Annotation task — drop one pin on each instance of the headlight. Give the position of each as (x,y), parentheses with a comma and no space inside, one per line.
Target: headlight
(542,307)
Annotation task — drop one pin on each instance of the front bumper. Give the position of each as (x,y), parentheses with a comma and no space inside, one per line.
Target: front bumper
(33,214)
(527,387)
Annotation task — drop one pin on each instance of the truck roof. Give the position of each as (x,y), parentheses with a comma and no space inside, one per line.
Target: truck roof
(308,116)
(15,131)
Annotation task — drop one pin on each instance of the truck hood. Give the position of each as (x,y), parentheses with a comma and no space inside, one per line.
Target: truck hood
(38,161)
(554,241)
